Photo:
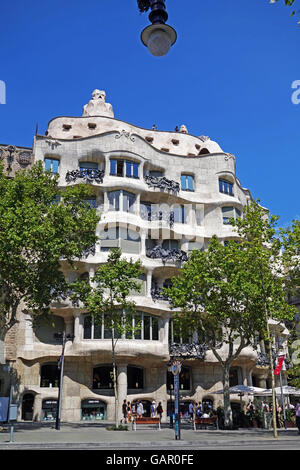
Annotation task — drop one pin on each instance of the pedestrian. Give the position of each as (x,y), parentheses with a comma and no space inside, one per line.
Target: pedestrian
(199,410)
(129,411)
(152,409)
(139,409)
(124,411)
(298,416)
(159,410)
(191,410)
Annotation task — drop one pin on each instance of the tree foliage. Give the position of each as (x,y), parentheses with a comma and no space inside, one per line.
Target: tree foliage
(227,293)
(40,225)
(108,297)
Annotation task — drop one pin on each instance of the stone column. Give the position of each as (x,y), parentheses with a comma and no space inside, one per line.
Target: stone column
(122,387)
(143,243)
(149,282)
(77,329)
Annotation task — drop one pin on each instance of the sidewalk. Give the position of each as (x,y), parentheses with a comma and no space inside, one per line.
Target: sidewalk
(96,436)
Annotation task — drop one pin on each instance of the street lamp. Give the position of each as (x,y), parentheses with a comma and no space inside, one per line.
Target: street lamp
(158,37)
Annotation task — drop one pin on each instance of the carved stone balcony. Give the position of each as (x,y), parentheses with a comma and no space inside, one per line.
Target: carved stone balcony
(187,351)
(166,255)
(90,175)
(161,182)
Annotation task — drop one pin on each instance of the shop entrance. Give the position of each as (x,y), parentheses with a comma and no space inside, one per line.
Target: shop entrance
(27,407)
(93,410)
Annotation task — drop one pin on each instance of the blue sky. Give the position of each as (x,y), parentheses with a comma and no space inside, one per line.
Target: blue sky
(229,76)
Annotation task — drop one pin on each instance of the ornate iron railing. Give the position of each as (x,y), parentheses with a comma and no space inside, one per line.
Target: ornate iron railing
(162,182)
(187,351)
(166,255)
(88,174)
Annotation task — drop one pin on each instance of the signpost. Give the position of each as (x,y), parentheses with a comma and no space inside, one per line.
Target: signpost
(176,368)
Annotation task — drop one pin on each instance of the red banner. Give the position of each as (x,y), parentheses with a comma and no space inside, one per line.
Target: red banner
(279,365)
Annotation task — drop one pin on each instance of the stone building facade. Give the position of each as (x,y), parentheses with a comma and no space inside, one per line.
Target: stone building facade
(160,195)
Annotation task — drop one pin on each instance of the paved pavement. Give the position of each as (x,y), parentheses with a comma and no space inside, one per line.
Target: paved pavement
(96,436)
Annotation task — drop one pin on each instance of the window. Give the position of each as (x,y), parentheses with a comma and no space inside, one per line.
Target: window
(117,168)
(128,201)
(87,168)
(114,200)
(49,375)
(225,187)
(170,244)
(144,326)
(91,203)
(102,377)
(135,377)
(51,164)
(132,169)
(230,213)
(146,210)
(187,183)
(179,214)
(184,379)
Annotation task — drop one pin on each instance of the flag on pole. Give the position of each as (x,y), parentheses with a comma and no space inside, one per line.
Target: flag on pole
(279,364)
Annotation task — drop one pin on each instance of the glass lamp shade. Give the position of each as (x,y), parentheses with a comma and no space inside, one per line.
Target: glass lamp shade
(158,38)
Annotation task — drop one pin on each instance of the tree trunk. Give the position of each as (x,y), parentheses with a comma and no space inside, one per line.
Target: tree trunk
(115,380)
(228,423)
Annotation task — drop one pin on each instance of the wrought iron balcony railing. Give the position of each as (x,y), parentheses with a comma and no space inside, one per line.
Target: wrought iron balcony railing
(162,182)
(166,255)
(88,174)
(187,351)
(157,294)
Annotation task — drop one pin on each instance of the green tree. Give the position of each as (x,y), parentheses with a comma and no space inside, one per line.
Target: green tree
(108,297)
(40,225)
(291,256)
(227,293)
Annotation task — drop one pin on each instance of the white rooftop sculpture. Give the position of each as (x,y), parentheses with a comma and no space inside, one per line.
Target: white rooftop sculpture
(97,105)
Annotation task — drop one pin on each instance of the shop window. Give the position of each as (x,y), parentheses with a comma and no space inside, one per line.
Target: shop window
(49,375)
(135,377)
(52,165)
(93,410)
(49,410)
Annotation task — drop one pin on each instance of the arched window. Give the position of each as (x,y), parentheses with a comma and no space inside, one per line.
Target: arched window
(234,376)
(50,375)
(135,377)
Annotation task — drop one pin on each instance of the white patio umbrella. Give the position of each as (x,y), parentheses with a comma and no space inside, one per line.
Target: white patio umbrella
(239,389)
(286,390)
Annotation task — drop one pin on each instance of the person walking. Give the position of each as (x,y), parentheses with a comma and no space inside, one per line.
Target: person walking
(191,410)
(298,416)
(139,409)
(124,411)
(159,410)
(153,409)
(129,412)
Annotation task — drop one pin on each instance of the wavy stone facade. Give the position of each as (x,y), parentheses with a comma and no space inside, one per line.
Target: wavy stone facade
(160,195)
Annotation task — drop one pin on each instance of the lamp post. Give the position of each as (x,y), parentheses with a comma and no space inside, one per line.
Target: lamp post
(158,37)
(64,339)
